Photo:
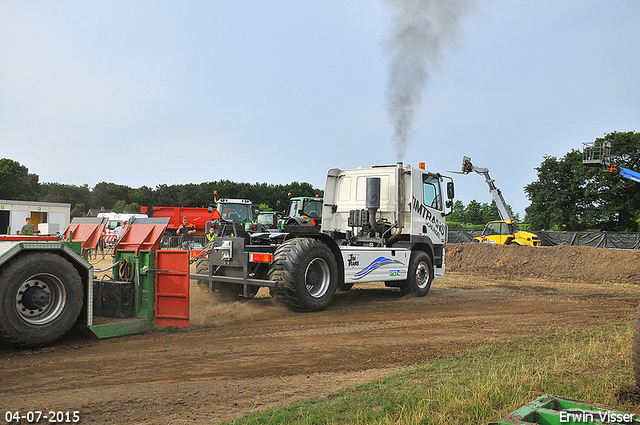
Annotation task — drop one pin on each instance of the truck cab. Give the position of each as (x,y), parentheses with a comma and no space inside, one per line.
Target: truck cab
(379,224)
(408,211)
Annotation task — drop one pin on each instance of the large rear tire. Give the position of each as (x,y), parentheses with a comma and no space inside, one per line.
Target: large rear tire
(419,275)
(636,349)
(307,272)
(41,296)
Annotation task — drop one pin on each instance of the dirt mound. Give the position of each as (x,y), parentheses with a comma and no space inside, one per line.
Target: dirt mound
(579,263)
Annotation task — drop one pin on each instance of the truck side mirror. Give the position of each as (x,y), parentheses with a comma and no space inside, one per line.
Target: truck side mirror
(451,193)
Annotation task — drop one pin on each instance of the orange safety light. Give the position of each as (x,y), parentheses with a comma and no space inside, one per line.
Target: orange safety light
(421,165)
(255,257)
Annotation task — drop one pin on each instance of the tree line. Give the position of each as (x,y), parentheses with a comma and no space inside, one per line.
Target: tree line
(16,183)
(474,215)
(567,194)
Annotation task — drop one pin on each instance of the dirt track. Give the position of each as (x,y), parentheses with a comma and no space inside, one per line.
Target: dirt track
(239,357)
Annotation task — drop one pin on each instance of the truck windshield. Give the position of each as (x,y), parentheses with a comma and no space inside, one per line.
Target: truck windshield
(111,224)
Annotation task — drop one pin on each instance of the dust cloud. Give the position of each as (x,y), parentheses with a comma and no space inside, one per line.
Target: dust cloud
(206,310)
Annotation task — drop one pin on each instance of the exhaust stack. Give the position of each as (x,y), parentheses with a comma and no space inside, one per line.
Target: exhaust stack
(398,232)
(373,201)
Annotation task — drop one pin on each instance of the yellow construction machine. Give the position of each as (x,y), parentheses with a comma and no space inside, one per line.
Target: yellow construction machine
(504,231)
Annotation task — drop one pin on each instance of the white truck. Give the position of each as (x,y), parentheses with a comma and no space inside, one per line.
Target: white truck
(114,220)
(385,223)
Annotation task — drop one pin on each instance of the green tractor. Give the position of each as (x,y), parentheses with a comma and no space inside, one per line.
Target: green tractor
(236,216)
(304,211)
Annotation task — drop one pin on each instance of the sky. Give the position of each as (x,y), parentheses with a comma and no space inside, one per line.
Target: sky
(169,92)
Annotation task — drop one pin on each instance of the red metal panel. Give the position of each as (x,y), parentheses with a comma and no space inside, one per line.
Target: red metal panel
(196,216)
(87,233)
(140,237)
(172,288)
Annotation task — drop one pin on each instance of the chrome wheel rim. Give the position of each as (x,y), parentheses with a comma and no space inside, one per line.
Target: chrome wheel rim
(40,299)
(422,275)
(317,277)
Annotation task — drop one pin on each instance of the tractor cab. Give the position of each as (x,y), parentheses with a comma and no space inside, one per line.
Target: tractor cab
(269,219)
(305,210)
(236,210)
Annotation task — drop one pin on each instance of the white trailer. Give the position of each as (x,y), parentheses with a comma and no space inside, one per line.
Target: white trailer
(47,217)
(115,219)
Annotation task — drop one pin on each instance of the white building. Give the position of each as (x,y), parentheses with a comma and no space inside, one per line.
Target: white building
(48,217)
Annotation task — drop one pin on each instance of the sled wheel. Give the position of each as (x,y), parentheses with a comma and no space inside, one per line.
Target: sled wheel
(41,295)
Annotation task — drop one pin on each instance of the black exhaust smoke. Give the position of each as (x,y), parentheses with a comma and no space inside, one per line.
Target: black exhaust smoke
(421,29)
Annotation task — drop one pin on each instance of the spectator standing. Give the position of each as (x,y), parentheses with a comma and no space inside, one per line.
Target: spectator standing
(212,233)
(187,231)
(120,229)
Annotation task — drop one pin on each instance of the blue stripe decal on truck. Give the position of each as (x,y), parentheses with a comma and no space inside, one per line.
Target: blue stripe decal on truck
(374,265)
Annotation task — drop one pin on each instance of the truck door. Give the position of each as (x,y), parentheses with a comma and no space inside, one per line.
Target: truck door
(431,191)
(172,288)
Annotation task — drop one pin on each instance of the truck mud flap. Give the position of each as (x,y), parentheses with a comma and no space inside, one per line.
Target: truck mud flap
(172,288)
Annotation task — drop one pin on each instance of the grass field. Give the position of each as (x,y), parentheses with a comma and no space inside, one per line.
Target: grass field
(482,385)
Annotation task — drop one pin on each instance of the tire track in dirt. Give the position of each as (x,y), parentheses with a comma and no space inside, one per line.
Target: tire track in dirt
(243,357)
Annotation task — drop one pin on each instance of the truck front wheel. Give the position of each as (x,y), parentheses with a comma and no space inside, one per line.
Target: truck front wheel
(419,275)
(41,295)
(307,272)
